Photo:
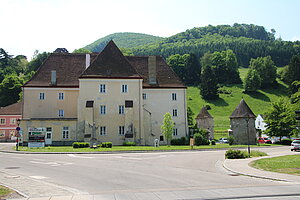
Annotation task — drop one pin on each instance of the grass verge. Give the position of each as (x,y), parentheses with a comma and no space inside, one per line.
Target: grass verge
(4,191)
(130,148)
(283,164)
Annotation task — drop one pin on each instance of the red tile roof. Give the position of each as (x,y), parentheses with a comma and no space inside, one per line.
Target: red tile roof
(110,63)
(13,109)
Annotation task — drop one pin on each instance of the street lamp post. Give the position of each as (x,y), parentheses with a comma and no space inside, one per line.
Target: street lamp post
(18,132)
(247,121)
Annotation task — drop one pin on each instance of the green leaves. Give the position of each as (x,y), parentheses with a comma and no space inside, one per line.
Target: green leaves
(167,126)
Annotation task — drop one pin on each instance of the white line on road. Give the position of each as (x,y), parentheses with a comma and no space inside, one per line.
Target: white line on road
(52,164)
(38,177)
(75,156)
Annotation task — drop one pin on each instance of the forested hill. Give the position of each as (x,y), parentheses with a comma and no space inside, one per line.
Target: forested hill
(246,41)
(123,40)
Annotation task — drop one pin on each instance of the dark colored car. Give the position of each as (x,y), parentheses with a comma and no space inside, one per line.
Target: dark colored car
(264,140)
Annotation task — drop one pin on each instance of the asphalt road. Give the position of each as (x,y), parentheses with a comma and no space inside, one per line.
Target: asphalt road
(164,175)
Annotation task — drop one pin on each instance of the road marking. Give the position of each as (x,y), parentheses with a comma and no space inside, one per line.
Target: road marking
(38,177)
(52,164)
(75,156)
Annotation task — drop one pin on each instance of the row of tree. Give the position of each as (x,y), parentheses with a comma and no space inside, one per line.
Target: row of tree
(14,72)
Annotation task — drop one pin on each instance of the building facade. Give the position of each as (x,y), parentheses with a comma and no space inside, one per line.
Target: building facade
(103,97)
(8,121)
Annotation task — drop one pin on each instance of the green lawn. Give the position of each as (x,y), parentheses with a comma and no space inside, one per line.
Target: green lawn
(282,164)
(4,191)
(131,148)
(222,108)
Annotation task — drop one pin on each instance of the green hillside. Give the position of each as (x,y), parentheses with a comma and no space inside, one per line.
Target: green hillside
(222,108)
(123,40)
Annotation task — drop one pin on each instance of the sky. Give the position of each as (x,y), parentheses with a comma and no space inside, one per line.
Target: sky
(44,25)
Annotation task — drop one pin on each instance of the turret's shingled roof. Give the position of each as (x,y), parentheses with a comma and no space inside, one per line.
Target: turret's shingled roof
(203,114)
(242,111)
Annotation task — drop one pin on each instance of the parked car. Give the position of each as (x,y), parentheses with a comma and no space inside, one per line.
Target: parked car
(264,140)
(295,145)
(223,140)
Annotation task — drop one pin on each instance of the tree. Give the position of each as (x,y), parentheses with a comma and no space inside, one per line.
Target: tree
(280,119)
(266,69)
(291,72)
(82,50)
(208,85)
(37,61)
(10,90)
(226,67)
(252,81)
(167,127)
(190,116)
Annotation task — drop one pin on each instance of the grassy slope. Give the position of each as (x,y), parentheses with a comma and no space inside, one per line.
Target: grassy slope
(222,108)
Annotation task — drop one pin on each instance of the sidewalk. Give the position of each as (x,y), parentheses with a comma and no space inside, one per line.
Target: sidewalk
(241,166)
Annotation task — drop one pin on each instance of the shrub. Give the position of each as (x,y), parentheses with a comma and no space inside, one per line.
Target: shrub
(213,142)
(81,145)
(200,140)
(230,140)
(75,145)
(179,141)
(235,154)
(106,144)
(129,144)
(286,142)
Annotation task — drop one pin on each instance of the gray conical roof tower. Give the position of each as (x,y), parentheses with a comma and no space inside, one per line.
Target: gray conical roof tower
(242,111)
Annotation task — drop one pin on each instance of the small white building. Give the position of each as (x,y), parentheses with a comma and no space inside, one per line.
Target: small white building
(259,123)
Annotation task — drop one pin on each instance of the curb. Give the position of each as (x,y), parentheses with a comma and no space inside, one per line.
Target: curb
(254,176)
(17,191)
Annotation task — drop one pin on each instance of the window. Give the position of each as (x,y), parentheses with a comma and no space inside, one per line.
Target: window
(48,129)
(42,96)
(124,88)
(61,113)
(175,132)
(2,133)
(2,121)
(174,97)
(48,135)
(102,130)
(65,132)
(121,110)
(12,133)
(121,130)
(61,96)
(161,138)
(102,88)
(128,104)
(102,109)
(144,96)
(13,121)
(174,112)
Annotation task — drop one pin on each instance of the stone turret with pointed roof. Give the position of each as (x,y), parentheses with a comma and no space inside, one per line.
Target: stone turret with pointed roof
(242,111)
(242,123)
(110,63)
(205,121)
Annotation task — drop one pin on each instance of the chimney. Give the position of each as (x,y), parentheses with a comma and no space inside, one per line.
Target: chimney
(87,60)
(53,77)
(152,70)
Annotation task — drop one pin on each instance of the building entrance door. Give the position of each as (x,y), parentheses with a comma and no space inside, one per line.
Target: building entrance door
(48,138)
